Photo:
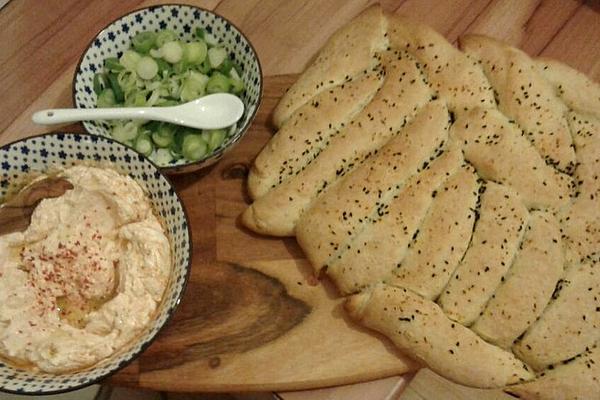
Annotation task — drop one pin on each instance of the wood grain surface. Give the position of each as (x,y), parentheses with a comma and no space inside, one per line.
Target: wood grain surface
(266,318)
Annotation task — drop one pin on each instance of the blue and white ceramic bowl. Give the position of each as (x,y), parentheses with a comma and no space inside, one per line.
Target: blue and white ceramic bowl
(183,19)
(37,154)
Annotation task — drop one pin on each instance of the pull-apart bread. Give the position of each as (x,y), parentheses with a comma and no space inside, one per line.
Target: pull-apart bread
(452,195)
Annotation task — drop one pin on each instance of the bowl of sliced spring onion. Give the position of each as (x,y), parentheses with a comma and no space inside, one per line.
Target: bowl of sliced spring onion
(164,56)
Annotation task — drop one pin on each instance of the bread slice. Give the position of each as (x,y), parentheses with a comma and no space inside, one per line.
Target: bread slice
(570,324)
(309,130)
(455,78)
(579,92)
(443,237)
(526,96)
(494,244)
(576,379)
(325,229)
(278,212)
(500,153)
(419,327)
(348,52)
(528,285)
(382,245)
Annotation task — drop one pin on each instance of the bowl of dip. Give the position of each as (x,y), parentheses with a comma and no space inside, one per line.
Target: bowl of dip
(99,270)
(183,42)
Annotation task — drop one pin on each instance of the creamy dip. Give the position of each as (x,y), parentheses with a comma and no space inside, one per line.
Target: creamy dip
(85,277)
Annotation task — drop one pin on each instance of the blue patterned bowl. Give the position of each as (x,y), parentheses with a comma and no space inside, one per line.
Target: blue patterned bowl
(183,19)
(37,154)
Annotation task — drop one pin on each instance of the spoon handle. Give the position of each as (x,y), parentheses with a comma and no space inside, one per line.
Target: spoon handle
(60,115)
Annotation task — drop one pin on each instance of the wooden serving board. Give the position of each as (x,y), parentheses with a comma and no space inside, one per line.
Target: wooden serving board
(253,316)
(40,43)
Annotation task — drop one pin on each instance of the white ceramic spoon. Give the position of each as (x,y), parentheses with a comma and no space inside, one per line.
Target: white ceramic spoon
(214,111)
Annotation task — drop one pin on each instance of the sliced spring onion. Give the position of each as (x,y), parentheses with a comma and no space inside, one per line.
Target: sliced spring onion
(124,132)
(218,83)
(116,88)
(172,52)
(216,137)
(194,86)
(200,33)
(99,83)
(164,134)
(113,64)
(143,144)
(195,52)
(144,41)
(129,59)
(162,156)
(106,98)
(161,70)
(216,56)
(194,147)
(165,36)
(146,68)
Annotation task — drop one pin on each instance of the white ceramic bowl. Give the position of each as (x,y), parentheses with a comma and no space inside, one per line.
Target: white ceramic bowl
(183,19)
(65,149)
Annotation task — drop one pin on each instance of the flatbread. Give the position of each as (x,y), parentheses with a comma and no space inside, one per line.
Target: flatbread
(500,153)
(420,328)
(382,244)
(348,52)
(309,131)
(278,212)
(528,285)
(578,379)
(570,324)
(526,96)
(494,244)
(326,228)
(455,77)
(443,237)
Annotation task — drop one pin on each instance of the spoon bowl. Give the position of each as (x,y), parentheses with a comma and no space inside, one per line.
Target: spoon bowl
(214,111)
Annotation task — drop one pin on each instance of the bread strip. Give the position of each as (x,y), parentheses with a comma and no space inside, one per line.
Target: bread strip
(524,95)
(578,91)
(455,78)
(403,93)
(578,379)
(581,220)
(494,244)
(500,153)
(420,328)
(308,132)
(348,52)
(382,245)
(528,285)
(443,237)
(570,324)
(343,210)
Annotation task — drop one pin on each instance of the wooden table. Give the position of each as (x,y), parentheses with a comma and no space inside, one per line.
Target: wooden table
(40,43)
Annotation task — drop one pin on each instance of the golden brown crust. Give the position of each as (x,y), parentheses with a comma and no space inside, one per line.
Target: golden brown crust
(443,237)
(278,212)
(579,379)
(500,153)
(420,328)
(382,244)
(494,244)
(348,52)
(578,91)
(524,95)
(528,285)
(308,132)
(570,324)
(326,228)
(455,78)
